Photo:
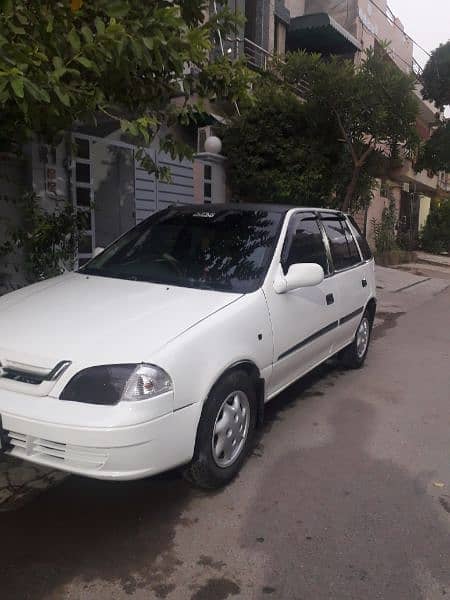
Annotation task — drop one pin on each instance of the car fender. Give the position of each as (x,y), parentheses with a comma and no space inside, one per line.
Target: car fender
(239,333)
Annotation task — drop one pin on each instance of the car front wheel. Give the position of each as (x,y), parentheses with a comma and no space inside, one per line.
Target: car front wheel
(224,432)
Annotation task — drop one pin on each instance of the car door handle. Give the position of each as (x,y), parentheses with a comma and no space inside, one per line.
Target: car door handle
(364,282)
(330,299)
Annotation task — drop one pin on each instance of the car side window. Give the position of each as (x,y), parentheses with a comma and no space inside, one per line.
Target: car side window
(344,250)
(304,243)
(362,242)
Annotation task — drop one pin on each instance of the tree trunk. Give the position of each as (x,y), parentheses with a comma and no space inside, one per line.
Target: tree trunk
(351,189)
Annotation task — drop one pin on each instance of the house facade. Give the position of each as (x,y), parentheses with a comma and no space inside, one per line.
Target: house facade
(98,170)
(348,29)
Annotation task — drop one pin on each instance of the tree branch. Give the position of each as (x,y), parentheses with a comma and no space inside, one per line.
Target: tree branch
(367,152)
(346,136)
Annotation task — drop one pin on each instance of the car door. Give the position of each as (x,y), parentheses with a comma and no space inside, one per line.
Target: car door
(351,285)
(303,320)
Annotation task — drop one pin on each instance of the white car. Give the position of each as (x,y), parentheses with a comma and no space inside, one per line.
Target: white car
(162,350)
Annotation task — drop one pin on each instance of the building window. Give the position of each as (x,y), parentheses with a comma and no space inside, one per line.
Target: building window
(207,184)
(82,148)
(83,172)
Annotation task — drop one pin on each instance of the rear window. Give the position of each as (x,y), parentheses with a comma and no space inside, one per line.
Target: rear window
(344,250)
(362,242)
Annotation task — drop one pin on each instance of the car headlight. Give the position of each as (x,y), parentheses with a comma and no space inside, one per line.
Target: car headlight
(111,384)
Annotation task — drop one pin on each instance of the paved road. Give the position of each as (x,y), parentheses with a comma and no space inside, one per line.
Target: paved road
(346,495)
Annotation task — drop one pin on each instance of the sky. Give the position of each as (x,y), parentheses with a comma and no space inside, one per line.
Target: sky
(428,23)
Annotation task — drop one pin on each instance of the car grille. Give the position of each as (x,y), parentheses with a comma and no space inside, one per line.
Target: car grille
(57,453)
(33,376)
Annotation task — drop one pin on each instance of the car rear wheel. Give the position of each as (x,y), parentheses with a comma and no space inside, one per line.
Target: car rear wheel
(354,355)
(224,431)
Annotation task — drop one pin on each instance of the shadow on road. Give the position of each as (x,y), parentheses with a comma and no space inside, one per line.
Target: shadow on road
(91,529)
(336,523)
(333,523)
(113,531)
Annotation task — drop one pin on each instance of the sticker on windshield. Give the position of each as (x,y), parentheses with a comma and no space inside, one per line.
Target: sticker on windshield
(204,215)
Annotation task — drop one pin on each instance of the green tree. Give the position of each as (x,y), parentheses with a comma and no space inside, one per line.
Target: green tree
(435,235)
(435,152)
(436,76)
(373,106)
(275,154)
(131,61)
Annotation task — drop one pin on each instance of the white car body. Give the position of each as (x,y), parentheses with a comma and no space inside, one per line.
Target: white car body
(195,335)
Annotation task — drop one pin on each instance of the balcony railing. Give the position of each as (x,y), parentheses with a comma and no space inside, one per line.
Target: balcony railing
(256,56)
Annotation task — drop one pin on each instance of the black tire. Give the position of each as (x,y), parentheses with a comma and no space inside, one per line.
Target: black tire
(203,471)
(349,357)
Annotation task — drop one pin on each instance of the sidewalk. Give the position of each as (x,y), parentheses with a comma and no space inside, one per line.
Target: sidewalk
(428,265)
(400,290)
(438,259)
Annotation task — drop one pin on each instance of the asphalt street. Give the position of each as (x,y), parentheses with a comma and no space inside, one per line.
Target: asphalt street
(346,494)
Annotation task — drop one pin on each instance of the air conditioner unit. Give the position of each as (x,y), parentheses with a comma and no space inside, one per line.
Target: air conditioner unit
(202,134)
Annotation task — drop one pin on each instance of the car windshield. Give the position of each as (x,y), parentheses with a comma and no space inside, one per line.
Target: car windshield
(218,249)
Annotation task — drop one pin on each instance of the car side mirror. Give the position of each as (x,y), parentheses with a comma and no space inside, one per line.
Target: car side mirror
(298,276)
(98,250)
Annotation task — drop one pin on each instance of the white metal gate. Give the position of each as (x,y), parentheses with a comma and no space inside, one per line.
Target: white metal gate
(82,185)
(154,195)
(150,194)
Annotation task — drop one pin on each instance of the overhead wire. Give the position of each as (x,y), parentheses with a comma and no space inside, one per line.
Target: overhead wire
(392,20)
(389,49)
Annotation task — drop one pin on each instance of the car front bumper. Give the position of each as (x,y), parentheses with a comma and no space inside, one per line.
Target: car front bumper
(98,447)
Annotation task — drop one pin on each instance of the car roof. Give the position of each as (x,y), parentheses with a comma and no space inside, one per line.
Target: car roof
(274,208)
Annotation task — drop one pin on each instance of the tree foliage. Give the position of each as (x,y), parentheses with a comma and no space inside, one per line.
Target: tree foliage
(435,236)
(318,132)
(47,239)
(436,76)
(276,155)
(384,230)
(373,105)
(435,153)
(64,61)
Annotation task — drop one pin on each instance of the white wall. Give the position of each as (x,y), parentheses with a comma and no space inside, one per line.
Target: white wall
(295,7)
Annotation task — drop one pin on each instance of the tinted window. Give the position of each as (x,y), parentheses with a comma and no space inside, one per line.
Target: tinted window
(352,246)
(362,242)
(219,249)
(342,245)
(304,243)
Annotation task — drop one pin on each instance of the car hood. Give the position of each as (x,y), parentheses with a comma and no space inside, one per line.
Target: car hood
(97,320)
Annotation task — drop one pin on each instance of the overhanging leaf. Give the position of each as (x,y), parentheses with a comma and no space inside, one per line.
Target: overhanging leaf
(17,86)
(117,8)
(74,40)
(148,42)
(85,62)
(63,96)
